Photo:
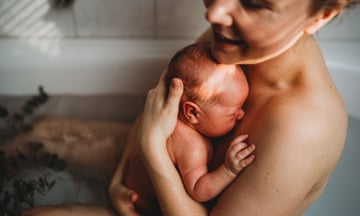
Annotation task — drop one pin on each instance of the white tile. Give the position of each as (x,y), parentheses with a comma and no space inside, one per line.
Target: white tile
(344,27)
(114,18)
(34,18)
(185,18)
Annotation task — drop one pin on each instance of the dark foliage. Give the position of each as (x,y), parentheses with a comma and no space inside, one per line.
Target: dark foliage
(16,192)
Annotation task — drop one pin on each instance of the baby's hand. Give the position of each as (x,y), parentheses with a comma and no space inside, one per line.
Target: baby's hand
(239,155)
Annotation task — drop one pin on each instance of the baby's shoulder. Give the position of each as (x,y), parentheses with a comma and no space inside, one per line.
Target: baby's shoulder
(186,140)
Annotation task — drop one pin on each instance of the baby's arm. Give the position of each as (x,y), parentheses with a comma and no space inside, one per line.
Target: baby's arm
(204,186)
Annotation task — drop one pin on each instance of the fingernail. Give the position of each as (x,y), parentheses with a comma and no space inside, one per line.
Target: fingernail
(175,83)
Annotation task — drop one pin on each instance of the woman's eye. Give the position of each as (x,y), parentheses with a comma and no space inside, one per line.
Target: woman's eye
(251,4)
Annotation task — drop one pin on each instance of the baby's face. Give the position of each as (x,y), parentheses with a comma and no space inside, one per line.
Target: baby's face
(220,117)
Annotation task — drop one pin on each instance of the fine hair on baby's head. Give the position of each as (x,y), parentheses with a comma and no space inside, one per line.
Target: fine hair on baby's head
(193,64)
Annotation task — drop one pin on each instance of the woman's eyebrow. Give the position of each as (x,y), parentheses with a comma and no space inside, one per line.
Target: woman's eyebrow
(267,3)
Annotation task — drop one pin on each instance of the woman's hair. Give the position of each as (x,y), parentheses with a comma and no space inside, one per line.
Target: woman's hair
(327,5)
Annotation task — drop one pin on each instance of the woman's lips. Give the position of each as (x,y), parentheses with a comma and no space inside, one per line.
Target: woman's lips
(226,43)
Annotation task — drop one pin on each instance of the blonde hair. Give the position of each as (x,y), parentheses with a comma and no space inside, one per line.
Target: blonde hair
(328,5)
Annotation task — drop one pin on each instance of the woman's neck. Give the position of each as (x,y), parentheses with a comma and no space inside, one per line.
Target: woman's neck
(282,70)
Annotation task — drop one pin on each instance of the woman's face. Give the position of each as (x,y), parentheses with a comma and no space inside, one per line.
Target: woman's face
(252,31)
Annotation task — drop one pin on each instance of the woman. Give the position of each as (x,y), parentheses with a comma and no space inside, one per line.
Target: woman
(294,112)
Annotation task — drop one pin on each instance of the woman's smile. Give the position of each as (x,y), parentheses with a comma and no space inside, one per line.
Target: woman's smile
(224,43)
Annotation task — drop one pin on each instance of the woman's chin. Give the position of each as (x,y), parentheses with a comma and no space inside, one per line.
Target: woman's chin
(224,58)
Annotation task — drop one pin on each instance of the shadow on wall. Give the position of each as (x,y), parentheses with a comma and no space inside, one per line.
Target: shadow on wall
(31,21)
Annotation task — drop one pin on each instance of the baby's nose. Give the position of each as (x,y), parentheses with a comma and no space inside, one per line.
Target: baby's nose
(240,114)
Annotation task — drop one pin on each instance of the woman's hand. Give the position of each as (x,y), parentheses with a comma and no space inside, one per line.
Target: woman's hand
(123,200)
(160,114)
(159,120)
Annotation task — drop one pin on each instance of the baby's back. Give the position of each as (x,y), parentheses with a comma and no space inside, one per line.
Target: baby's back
(184,140)
(137,179)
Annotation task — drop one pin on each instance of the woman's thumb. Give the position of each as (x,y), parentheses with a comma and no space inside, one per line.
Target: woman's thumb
(175,93)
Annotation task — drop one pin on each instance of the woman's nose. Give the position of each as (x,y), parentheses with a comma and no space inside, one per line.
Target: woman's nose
(218,12)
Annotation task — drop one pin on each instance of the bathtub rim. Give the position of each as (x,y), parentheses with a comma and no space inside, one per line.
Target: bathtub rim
(340,56)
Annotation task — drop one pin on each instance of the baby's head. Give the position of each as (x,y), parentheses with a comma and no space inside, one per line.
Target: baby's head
(213,93)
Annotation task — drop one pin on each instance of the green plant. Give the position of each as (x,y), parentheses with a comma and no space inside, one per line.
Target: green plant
(23,192)
(12,124)
(16,192)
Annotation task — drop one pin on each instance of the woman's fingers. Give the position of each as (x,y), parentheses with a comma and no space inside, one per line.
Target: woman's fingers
(159,118)
(123,200)
(160,112)
(128,195)
(175,93)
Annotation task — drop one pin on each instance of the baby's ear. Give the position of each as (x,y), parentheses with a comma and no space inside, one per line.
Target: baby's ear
(191,112)
(320,20)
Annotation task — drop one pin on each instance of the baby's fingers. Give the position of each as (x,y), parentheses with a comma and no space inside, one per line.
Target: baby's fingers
(243,150)
(246,161)
(239,155)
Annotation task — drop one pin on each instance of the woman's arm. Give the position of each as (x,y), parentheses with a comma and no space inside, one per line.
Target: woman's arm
(121,197)
(159,120)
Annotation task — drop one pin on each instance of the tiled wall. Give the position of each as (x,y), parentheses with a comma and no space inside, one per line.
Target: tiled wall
(103,18)
(127,18)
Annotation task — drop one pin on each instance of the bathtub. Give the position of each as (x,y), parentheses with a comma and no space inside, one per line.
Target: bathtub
(85,76)
(108,79)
